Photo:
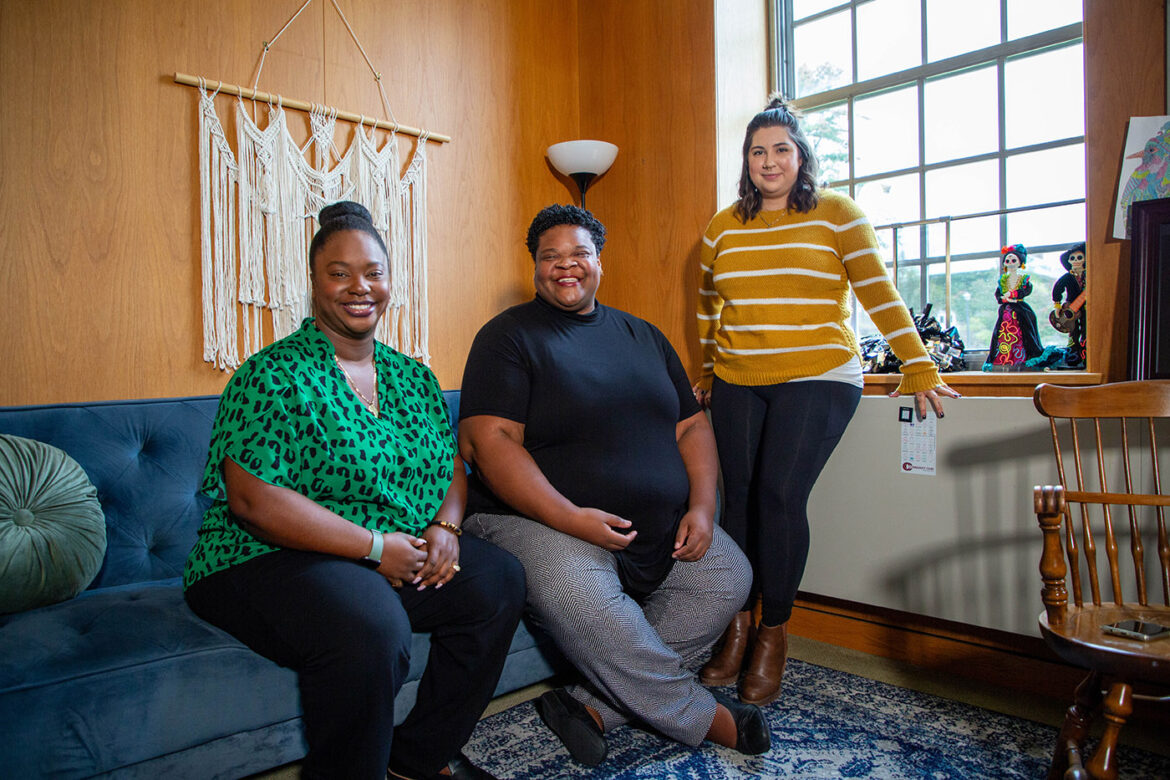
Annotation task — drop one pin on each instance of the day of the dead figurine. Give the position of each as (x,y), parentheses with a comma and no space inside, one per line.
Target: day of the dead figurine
(1015,337)
(1068,296)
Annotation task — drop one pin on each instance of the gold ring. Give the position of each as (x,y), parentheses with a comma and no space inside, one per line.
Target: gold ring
(456,567)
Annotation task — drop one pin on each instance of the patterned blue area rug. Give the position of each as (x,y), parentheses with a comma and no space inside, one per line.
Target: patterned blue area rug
(828,724)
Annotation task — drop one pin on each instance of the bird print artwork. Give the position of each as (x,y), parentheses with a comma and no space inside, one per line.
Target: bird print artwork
(1151,178)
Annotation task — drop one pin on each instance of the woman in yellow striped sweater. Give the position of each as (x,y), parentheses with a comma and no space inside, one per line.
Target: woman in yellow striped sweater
(781,369)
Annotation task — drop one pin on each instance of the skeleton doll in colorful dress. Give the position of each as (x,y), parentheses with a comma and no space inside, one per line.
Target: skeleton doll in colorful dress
(1015,337)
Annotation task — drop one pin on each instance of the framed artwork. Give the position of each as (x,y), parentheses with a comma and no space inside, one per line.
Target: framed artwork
(1149,285)
(1145,168)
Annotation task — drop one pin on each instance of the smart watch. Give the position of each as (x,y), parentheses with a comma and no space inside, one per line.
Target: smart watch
(374,558)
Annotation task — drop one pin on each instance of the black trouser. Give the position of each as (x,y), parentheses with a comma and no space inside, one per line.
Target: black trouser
(773,441)
(347,634)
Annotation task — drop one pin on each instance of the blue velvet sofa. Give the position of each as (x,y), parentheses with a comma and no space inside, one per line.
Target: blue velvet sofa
(124,680)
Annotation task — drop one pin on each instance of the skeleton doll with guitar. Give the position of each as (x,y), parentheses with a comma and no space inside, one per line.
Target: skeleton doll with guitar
(1068,297)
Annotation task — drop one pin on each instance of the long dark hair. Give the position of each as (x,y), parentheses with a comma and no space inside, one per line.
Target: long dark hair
(803,197)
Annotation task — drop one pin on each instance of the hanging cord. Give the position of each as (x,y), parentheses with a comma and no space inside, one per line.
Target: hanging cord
(268,44)
(377,75)
(352,34)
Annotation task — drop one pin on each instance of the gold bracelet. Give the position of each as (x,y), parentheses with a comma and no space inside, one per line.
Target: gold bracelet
(448,527)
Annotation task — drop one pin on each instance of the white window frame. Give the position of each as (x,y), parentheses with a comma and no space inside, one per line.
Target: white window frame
(783,78)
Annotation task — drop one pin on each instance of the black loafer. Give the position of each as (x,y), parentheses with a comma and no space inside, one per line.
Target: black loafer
(460,767)
(573,724)
(752,735)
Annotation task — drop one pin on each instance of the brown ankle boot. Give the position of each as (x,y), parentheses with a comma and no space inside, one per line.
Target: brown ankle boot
(725,665)
(761,682)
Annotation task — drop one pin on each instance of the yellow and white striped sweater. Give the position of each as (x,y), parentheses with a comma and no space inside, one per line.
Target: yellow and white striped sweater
(774,296)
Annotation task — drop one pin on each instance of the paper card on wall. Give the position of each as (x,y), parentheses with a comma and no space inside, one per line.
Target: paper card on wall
(1144,172)
(919,442)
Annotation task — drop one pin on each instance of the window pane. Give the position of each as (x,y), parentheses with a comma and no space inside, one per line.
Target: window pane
(1047,176)
(958,191)
(1057,110)
(887,201)
(1062,226)
(824,54)
(884,138)
(1044,269)
(962,115)
(954,28)
(828,132)
(1026,17)
(973,305)
(888,37)
(803,8)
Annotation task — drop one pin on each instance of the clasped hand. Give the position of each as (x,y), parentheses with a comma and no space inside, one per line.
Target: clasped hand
(425,561)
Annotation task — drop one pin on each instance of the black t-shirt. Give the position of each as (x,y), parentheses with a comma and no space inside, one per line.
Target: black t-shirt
(599,395)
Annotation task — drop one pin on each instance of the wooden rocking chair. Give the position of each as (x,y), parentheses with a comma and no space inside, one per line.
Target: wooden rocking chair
(1074,631)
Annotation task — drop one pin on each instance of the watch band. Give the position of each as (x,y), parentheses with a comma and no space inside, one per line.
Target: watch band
(374,558)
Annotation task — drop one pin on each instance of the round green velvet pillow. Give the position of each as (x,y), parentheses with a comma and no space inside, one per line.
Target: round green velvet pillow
(52,530)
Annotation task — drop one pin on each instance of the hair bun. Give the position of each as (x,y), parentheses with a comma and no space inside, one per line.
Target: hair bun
(343,209)
(778,101)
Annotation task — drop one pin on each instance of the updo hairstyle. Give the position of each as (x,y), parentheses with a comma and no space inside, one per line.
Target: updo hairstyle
(341,216)
(1019,250)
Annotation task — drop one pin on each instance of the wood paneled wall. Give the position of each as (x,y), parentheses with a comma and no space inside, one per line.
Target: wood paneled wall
(1125,75)
(648,85)
(99,252)
(99,247)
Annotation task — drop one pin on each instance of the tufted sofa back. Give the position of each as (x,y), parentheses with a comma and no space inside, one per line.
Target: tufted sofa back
(146,460)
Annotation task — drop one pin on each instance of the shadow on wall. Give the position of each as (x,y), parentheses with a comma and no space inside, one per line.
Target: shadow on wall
(989,574)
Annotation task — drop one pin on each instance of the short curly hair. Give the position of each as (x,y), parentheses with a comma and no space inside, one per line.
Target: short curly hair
(552,216)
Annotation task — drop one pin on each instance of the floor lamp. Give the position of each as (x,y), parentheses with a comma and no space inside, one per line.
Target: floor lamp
(582,161)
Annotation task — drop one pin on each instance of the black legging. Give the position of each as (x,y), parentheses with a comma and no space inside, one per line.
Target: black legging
(348,635)
(774,440)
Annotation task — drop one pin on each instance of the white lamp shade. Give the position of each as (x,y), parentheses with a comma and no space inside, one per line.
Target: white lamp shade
(572,157)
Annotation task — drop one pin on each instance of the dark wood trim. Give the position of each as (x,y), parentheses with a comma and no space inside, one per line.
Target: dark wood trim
(987,655)
(1000,658)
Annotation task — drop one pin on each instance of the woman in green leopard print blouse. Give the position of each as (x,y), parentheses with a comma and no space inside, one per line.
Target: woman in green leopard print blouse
(334,530)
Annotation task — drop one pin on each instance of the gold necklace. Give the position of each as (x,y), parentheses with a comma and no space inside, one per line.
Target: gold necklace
(371,405)
(769,222)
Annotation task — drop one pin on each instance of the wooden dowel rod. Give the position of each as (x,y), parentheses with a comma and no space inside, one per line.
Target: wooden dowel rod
(301,105)
(1139,499)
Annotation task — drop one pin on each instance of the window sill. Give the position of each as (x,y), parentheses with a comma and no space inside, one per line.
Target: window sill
(990,383)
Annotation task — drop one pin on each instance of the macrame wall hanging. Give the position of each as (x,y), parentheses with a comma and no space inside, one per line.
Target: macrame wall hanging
(259,206)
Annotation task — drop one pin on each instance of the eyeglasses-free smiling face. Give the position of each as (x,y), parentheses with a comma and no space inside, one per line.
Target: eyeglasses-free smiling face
(351,285)
(568,268)
(773,164)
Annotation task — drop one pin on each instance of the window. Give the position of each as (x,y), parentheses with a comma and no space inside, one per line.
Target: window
(954,125)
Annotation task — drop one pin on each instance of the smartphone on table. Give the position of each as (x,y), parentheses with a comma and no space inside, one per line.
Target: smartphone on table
(1141,630)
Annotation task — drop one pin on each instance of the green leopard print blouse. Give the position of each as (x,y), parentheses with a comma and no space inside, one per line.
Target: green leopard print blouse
(288,418)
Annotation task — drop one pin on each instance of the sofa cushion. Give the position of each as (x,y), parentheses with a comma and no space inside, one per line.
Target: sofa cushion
(120,675)
(52,530)
(145,458)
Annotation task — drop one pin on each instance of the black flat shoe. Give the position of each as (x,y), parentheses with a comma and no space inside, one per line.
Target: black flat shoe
(573,724)
(460,767)
(752,735)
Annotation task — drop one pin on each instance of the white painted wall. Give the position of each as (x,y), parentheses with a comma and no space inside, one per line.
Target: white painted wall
(962,545)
